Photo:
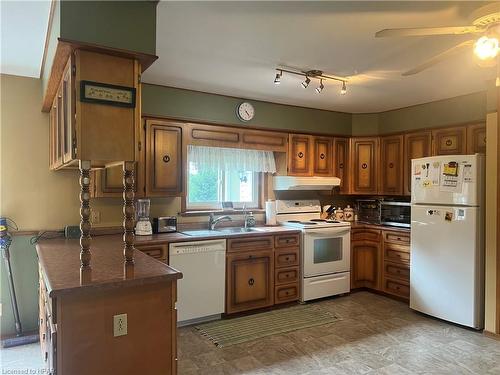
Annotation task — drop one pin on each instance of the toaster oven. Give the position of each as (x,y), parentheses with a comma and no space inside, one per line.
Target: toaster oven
(165,224)
(396,214)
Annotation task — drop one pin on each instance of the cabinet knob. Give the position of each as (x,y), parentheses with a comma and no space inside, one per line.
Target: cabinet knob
(321,156)
(391,165)
(341,165)
(287,258)
(448,142)
(364,165)
(166,158)
(251,281)
(300,155)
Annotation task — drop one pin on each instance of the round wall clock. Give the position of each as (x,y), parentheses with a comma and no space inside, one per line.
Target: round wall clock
(245,111)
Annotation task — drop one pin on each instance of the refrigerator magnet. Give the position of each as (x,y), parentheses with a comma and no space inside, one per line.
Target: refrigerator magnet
(448,216)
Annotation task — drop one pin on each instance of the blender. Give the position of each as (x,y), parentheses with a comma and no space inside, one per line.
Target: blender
(143,225)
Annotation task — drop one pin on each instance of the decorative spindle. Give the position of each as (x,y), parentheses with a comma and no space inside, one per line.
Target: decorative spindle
(85,225)
(128,211)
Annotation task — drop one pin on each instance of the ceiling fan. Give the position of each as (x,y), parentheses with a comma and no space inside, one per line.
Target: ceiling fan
(485,23)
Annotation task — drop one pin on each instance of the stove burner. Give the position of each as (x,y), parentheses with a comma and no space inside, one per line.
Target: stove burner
(325,221)
(319,220)
(302,222)
(293,221)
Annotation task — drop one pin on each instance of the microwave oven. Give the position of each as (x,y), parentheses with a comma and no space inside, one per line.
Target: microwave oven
(396,214)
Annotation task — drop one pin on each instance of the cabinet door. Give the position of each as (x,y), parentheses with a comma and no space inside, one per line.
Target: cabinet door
(365,265)
(341,162)
(299,155)
(323,162)
(364,165)
(476,139)
(451,141)
(250,281)
(108,182)
(391,165)
(68,114)
(163,158)
(417,145)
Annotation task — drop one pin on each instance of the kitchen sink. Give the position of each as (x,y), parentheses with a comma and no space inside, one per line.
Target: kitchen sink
(236,230)
(219,231)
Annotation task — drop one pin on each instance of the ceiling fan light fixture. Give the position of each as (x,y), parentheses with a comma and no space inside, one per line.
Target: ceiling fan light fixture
(320,87)
(277,79)
(486,48)
(343,90)
(306,82)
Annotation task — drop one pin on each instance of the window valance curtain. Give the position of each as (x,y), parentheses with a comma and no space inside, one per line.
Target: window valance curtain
(231,159)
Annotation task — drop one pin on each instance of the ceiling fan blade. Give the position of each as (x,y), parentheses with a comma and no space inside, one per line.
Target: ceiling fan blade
(440,57)
(422,31)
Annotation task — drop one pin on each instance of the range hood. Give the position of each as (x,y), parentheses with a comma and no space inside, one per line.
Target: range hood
(305,183)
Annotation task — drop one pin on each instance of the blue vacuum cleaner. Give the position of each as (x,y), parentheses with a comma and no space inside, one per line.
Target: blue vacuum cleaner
(20,338)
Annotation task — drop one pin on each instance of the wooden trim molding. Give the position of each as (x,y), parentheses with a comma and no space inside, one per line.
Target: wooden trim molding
(65,48)
(492,335)
(498,221)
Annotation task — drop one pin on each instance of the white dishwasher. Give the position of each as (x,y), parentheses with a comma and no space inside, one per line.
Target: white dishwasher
(201,291)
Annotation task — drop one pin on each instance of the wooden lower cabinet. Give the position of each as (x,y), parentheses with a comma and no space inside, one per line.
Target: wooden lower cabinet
(77,328)
(380,260)
(366,256)
(159,252)
(262,271)
(250,280)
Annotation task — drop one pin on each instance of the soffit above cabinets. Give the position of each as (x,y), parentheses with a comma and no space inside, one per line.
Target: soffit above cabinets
(233,49)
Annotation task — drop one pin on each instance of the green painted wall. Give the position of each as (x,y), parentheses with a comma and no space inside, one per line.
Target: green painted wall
(461,109)
(129,25)
(25,271)
(198,106)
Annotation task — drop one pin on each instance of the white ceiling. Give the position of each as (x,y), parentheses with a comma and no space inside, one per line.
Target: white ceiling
(23,30)
(232,48)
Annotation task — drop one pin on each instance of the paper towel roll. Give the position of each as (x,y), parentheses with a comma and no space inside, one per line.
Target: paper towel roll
(271,213)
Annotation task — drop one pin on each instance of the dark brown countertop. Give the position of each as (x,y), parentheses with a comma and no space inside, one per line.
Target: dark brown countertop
(179,237)
(60,261)
(359,225)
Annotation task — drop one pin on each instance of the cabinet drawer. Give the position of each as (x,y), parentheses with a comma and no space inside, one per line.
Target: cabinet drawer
(286,240)
(398,254)
(286,275)
(286,257)
(401,238)
(399,271)
(250,244)
(396,287)
(365,234)
(156,251)
(286,293)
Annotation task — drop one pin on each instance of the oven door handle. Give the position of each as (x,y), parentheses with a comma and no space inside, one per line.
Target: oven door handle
(327,233)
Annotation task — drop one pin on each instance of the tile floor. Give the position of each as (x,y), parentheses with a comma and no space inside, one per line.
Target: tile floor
(377,335)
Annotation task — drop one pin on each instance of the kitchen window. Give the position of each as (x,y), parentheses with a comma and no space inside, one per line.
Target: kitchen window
(217,175)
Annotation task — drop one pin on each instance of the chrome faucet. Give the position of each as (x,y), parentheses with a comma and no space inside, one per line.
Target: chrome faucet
(212,221)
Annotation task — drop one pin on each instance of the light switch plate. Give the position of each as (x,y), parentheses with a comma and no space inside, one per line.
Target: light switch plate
(119,325)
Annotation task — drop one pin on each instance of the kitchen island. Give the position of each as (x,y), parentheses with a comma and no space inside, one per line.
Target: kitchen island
(125,311)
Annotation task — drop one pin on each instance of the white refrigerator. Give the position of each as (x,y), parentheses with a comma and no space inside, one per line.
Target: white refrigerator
(447,238)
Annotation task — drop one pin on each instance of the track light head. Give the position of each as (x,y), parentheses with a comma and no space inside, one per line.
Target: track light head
(343,90)
(306,82)
(320,87)
(277,79)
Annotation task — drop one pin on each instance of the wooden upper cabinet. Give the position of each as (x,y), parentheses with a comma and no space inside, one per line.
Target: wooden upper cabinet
(364,160)
(341,162)
(227,136)
(299,155)
(476,139)
(68,143)
(449,141)
(108,182)
(323,161)
(164,162)
(391,165)
(417,145)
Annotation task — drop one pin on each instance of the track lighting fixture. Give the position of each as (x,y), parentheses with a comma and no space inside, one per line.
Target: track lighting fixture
(343,90)
(320,87)
(306,82)
(277,80)
(314,74)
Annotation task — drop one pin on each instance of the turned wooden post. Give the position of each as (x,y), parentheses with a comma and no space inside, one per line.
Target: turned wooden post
(128,211)
(85,225)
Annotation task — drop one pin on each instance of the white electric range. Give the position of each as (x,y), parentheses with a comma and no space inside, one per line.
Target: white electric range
(325,248)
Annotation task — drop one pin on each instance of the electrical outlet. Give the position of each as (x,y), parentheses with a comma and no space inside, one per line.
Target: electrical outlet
(120,325)
(95,216)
